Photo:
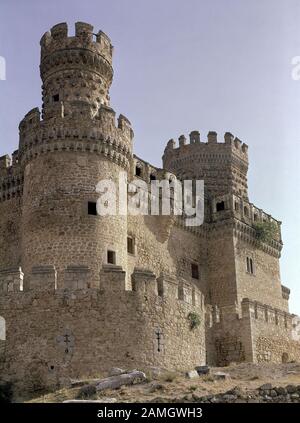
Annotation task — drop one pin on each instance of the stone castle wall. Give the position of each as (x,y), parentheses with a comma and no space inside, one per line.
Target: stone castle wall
(264,284)
(257,333)
(68,322)
(53,335)
(157,248)
(11,189)
(57,228)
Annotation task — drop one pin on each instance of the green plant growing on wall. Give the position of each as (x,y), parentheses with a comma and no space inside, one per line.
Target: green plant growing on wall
(194,320)
(265,231)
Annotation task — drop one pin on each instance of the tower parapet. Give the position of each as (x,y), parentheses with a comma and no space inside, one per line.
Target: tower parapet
(222,165)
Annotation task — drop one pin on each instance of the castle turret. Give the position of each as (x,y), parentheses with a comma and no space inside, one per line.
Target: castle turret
(222,165)
(66,150)
(76,71)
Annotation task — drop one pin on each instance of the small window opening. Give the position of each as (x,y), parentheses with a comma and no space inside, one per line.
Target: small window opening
(152,177)
(130,245)
(138,171)
(250,267)
(246,211)
(220,206)
(92,208)
(111,257)
(195,271)
(55,97)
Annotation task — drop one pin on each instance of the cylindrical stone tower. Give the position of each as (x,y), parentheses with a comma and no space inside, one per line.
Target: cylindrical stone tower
(76,144)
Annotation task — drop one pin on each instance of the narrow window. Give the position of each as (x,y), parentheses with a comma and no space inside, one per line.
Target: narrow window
(220,206)
(138,171)
(250,265)
(246,213)
(152,177)
(236,206)
(92,208)
(195,271)
(255,217)
(111,257)
(55,98)
(130,245)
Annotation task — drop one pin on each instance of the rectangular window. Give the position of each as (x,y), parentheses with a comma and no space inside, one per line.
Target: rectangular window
(92,208)
(250,265)
(138,171)
(56,98)
(195,271)
(220,206)
(130,245)
(111,257)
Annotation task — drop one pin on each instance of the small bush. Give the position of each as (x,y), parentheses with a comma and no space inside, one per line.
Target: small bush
(169,377)
(194,319)
(265,231)
(208,378)
(87,391)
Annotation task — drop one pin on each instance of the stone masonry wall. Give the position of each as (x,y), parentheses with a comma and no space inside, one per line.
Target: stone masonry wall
(157,248)
(54,335)
(259,333)
(57,229)
(271,333)
(264,284)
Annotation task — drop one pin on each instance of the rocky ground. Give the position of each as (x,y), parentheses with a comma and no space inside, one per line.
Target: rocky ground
(244,382)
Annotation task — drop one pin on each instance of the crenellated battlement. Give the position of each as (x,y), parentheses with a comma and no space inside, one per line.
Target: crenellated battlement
(233,206)
(57,39)
(259,312)
(230,143)
(254,332)
(102,135)
(222,165)
(112,281)
(11,177)
(76,71)
(5,163)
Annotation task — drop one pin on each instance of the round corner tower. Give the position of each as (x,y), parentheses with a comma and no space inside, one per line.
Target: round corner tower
(66,150)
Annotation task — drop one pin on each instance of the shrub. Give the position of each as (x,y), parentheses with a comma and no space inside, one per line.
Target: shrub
(194,319)
(169,377)
(265,231)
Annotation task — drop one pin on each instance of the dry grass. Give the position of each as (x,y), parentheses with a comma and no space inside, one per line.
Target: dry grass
(171,385)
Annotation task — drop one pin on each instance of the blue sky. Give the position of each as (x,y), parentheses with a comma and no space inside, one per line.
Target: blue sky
(222,65)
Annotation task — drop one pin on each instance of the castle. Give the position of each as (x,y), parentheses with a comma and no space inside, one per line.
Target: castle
(81,293)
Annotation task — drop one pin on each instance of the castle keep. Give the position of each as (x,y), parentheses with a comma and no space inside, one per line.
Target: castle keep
(79,292)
